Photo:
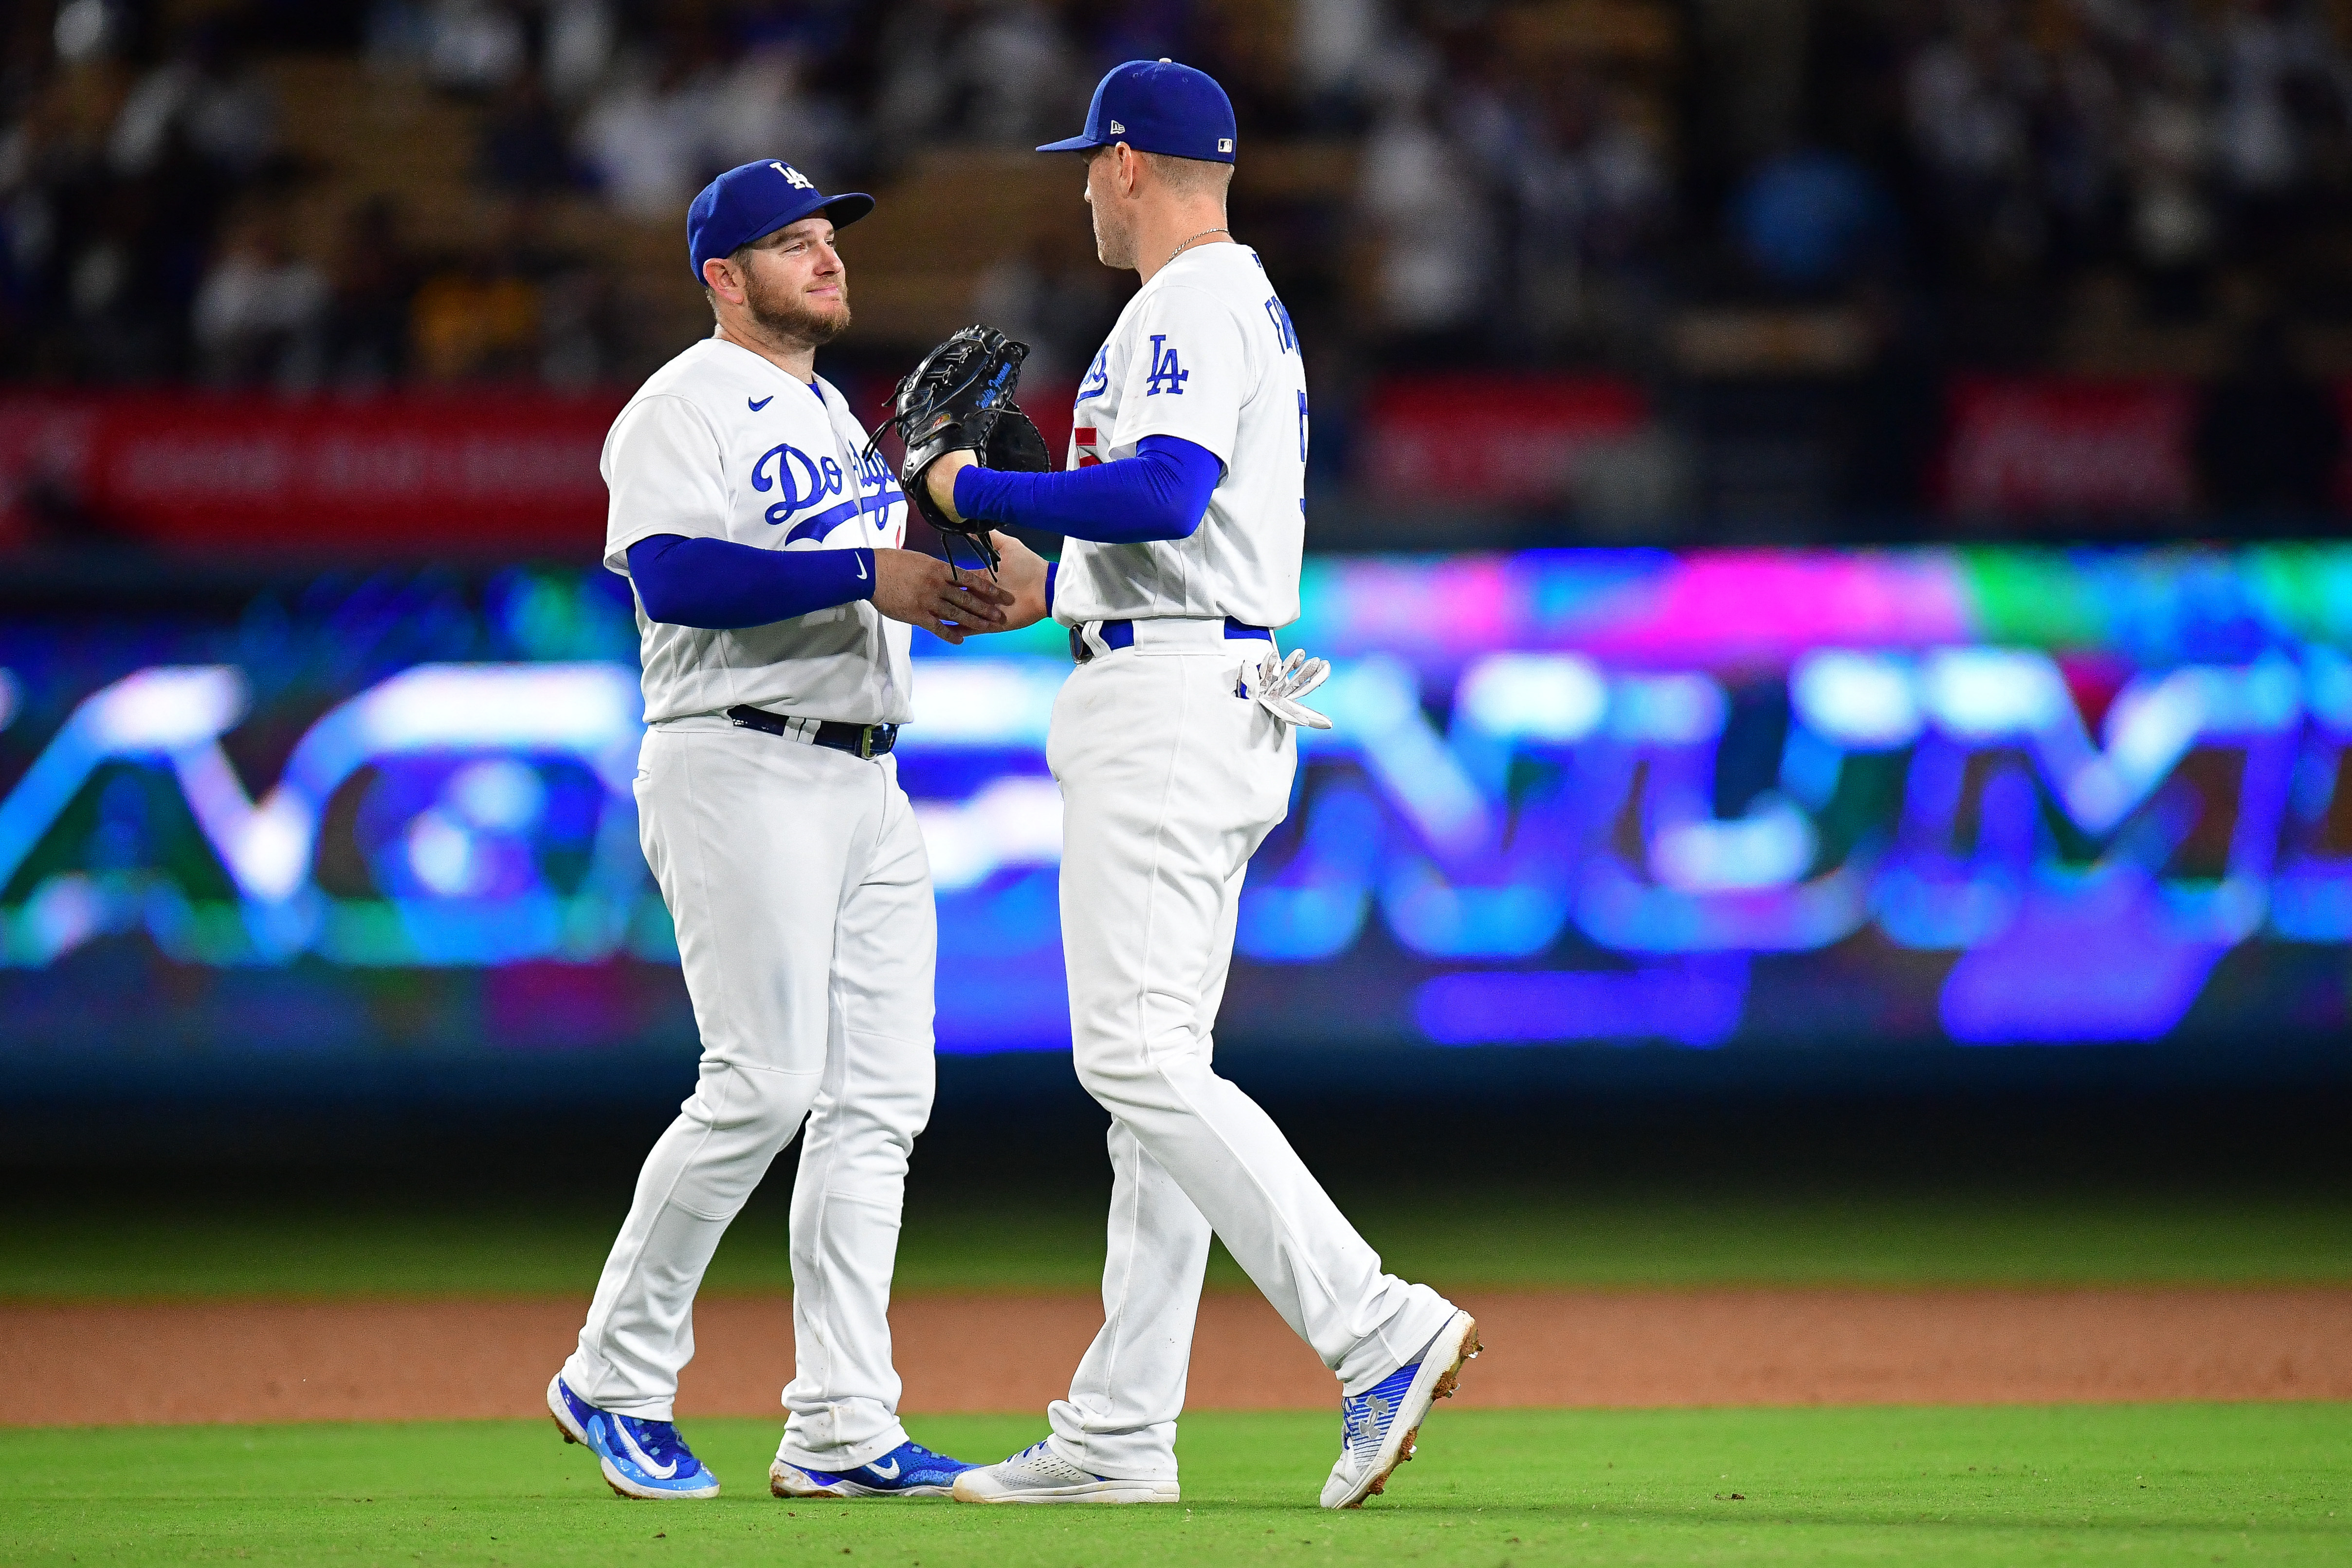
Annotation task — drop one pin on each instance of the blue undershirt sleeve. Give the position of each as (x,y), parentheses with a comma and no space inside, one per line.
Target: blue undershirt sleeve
(720,585)
(1161,493)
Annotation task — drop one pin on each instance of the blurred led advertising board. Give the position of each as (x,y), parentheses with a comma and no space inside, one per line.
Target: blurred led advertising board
(1762,801)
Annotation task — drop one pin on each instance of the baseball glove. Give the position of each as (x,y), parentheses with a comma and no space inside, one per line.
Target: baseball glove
(960,399)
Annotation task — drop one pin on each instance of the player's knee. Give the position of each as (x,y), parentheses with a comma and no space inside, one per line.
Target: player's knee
(759,1103)
(879,1123)
(1114,1072)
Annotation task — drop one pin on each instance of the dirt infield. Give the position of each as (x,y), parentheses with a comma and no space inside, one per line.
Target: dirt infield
(325,1360)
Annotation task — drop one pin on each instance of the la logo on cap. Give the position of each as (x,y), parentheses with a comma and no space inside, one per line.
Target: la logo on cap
(792,176)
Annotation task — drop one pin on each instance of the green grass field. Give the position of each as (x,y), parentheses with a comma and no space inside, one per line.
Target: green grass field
(168,1246)
(2148,1484)
(2188,1484)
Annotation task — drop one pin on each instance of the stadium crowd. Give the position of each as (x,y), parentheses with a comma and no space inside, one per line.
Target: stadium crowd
(1527,184)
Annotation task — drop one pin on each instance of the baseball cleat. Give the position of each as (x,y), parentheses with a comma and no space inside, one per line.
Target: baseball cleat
(640,1458)
(1037,1474)
(1376,1427)
(907,1470)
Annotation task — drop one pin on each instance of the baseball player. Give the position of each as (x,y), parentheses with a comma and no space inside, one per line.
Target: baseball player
(773,603)
(1183,501)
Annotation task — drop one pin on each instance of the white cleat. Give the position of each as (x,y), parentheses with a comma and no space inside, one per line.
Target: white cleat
(1376,1427)
(1037,1474)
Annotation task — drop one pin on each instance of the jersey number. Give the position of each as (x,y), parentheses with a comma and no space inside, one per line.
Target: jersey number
(1167,375)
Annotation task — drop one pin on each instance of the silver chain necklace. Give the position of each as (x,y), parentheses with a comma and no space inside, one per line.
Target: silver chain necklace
(1202,234)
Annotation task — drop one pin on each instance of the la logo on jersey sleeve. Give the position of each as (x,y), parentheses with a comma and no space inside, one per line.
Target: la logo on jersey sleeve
(1167,374)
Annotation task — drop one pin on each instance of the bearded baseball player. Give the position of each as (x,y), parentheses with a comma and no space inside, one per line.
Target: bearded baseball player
(1182,502)
(773,607)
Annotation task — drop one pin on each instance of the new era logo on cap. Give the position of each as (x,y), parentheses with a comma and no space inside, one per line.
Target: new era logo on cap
(1116,129)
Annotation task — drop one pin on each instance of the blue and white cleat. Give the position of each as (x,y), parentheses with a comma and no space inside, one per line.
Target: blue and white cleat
(1376,1427)
(641,1458)
(907,1470)
(1037,1474)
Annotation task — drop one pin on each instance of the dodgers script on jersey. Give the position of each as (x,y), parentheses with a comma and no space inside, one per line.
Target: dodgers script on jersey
(1204,352)
(720,444)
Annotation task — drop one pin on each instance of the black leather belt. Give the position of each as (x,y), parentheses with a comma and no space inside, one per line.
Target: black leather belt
(857,740)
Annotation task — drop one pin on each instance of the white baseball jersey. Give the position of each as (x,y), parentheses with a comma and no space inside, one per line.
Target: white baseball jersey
(721,444)
(1204,352)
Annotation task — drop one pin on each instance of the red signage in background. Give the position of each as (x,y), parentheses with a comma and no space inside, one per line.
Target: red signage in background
(1474,441)
(2054,445)
(480,472)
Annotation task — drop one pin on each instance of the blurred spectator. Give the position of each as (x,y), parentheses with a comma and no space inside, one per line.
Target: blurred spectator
(373,281)
(580,38)
(206,95)
(1973,92)
(2283,84)
(643,138)
(472,46)
(1432,237)
(1335,42)
(996,71)
(2170,150)
(2023,181)
(523,150)
(478,316)
(762,109)
(1591,190)
(260,315)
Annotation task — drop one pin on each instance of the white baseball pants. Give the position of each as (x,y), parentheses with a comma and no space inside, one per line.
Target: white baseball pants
(797,880)
(1170,781)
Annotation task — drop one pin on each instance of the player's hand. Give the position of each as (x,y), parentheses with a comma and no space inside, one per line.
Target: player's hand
(1021,571)
(939,480)
(925,591)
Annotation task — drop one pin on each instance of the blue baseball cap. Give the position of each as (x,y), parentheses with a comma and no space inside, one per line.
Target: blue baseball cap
(1158,106)
(756,199)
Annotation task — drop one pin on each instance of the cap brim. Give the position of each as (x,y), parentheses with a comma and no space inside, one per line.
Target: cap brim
(847,208)
(1079,144)
(841,211)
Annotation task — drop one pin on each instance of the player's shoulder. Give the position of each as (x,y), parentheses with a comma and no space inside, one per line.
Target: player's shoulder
(728,383)
(1225,280)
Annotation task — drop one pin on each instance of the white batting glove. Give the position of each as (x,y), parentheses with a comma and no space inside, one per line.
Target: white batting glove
(1276,685)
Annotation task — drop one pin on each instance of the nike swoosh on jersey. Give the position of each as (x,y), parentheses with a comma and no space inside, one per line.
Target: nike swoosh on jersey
(762,403)
(889,1475)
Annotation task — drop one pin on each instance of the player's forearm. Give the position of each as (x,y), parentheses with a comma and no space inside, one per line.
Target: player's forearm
(1161,493)
(720,585)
